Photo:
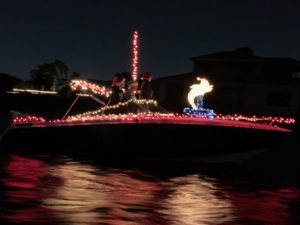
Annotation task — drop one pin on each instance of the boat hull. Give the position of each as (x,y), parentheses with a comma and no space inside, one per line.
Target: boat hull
(136,140)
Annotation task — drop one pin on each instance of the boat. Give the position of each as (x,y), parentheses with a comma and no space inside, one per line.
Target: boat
(150,135)
(137,129)
(141,129)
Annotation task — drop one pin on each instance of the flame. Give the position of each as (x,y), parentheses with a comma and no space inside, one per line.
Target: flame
(199,90)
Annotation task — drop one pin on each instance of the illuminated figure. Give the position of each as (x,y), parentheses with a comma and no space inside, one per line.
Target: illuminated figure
(196,94)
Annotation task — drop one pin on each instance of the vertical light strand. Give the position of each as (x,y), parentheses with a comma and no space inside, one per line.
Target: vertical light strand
(135,55)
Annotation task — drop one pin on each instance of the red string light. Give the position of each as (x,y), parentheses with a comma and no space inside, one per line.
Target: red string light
(28,119)
(135,54)
(157,118)
(256,119)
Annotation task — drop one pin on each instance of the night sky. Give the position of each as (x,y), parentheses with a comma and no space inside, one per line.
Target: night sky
(93,36)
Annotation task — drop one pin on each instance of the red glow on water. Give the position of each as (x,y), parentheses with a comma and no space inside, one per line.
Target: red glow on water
(24,181)
(78,193)
(29,214)
(270,207)
(21,195)
(24,172)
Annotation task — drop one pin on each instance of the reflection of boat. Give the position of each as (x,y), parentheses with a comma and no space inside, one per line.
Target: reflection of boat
(163,136)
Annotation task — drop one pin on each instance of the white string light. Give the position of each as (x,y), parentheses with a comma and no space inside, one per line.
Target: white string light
(88,86)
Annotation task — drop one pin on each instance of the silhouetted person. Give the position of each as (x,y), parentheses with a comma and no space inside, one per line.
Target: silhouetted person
(131,91)
(118,85)
(131,95)
(146,89)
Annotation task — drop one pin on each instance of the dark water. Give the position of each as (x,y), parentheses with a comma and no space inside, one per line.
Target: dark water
(43,189)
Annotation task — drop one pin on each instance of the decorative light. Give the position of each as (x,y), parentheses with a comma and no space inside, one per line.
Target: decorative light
(256,119)
(155,116)
(28,119)
(88,86)
(197,93)
(158,118)
(135,55)
(32,91)
(121,104)
(205,113)
(199,90)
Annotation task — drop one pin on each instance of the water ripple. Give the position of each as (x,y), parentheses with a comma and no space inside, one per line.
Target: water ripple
(47,190)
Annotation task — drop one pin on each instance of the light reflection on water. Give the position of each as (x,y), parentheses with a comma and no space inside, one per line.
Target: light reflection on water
(44,190)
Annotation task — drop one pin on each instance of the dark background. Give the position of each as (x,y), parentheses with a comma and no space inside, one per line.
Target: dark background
(93,37)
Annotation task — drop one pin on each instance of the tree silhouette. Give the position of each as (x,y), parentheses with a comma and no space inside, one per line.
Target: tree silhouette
(75,75)
(47,74)
(61,69)
(43,76)
(7,82)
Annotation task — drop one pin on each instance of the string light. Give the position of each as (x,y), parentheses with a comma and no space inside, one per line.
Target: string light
(135,55)
(95,115)
(32,91)
(153,118)
(255,119)
(88,86)
(28,119)
(119,105)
